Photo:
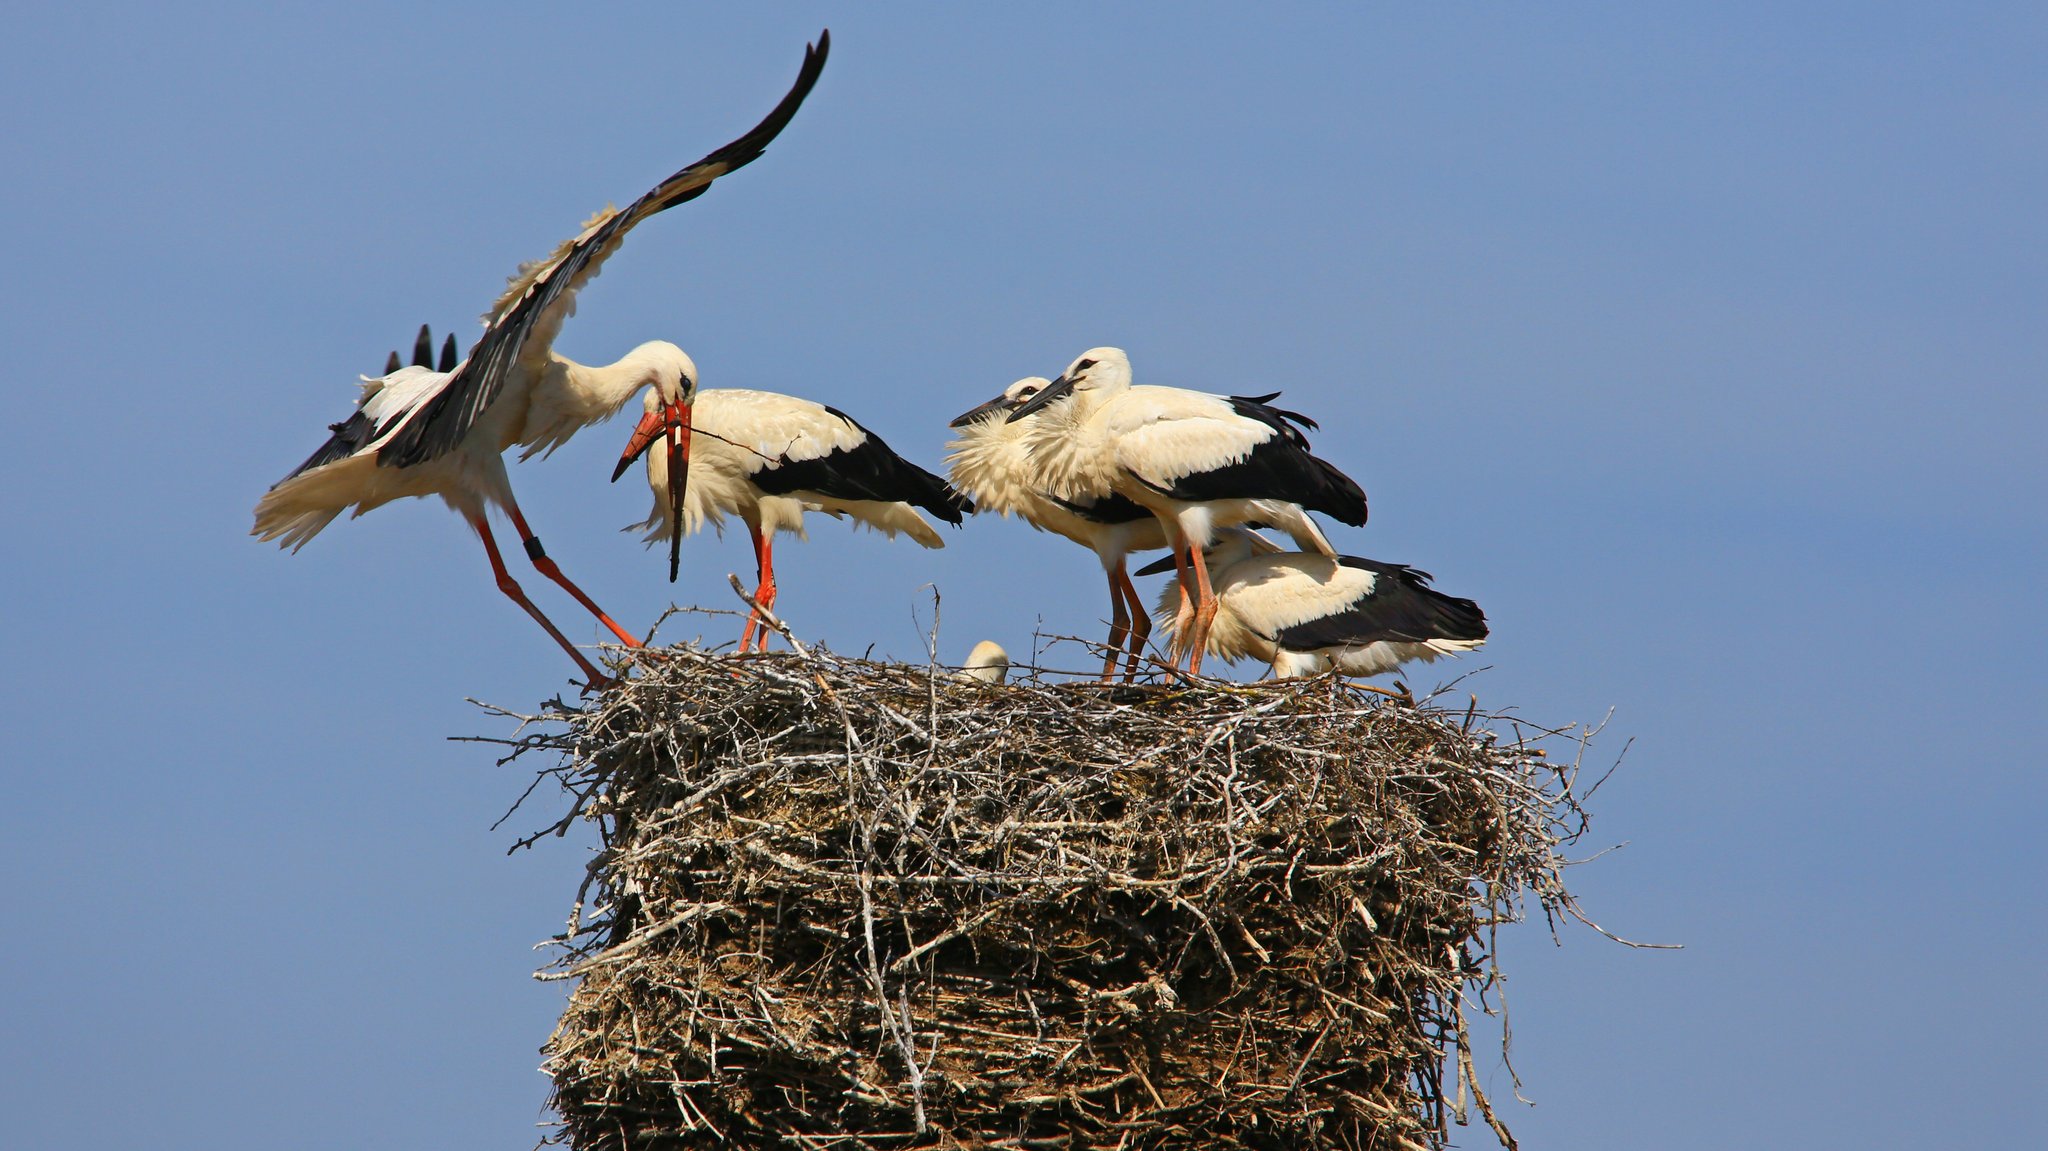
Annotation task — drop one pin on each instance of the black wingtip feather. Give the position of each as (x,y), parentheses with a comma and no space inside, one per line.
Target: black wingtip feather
(392,363)
(448,360)
(423,348)
(439,426)
(749,147)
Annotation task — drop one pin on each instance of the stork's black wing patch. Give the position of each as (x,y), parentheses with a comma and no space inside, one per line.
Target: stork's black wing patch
(1109,509)
(867,471)
(1400,608)
(1278,468)
(1258,408)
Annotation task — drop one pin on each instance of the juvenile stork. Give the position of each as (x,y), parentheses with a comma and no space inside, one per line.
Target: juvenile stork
(989,463)
(421,432)
(769,458)
(1305,613)
(1198,462)
(987,663)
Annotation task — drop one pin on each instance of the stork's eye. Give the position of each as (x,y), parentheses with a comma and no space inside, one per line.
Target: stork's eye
(1028,392)
(1084,365)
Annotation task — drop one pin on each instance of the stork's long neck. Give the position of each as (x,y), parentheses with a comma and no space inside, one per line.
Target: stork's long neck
(597,391)
(572,395)
(988,463)
(1069,455)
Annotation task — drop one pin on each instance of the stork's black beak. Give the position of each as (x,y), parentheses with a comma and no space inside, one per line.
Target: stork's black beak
(1157,567)
(1053,391)
(972,414)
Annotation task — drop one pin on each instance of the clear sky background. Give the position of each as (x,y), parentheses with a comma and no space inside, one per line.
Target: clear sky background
(1705,349)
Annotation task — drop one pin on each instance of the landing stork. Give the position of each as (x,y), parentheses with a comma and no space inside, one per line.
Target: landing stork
(420,432)
(769,458)
(1198,462)
(1305,614)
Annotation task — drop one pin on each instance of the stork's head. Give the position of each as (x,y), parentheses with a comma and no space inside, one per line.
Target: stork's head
(988,662)
(667,405)
(1013,397)
(1097,373)
(667,369)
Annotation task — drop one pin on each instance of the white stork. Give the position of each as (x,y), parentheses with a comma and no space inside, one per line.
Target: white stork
(1199,462)
(989,463)
(419,432)
(768,458)
(1305,614)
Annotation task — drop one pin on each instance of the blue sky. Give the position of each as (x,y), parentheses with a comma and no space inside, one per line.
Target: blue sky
(1703,348)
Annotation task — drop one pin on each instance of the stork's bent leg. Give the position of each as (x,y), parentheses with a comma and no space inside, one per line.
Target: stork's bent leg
(547,568)
(1184,616)
(1205,611)
(511,587)
(1141,623)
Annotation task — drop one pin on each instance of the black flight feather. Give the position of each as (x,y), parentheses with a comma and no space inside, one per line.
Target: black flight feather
(867,471)
(1278,468)
(443,421)
(1401,608)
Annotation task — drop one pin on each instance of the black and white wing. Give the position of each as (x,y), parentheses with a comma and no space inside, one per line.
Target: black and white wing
(824,450)
(524,321)
(1396,605)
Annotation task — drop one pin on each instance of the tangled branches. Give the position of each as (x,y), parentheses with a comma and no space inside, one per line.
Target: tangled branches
(849,905)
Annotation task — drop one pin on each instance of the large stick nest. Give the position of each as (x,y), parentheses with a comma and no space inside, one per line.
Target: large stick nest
(847,904)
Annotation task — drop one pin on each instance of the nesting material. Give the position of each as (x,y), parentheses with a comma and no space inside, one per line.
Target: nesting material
(844,904)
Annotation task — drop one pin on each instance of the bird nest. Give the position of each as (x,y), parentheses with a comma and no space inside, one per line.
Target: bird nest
(843,904)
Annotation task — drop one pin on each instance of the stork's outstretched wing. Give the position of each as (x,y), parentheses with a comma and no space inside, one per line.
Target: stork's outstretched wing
(524,321)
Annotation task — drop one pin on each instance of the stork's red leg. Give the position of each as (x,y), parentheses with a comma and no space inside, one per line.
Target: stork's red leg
(1205,611)
(765,593)
(547,568)
(762,582)
(1184,617)
(1119,626)
(511,587)
(1141,622)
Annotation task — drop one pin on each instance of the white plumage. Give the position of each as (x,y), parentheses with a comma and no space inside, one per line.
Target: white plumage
(418,432)
(768,458)
(1199,462)
(987,663)
(1305,613)
(989,463)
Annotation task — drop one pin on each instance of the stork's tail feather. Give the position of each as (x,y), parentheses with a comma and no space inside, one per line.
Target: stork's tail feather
(1338,495)
(295,510)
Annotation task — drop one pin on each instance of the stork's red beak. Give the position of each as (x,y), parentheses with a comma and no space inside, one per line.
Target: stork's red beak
(672,423)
